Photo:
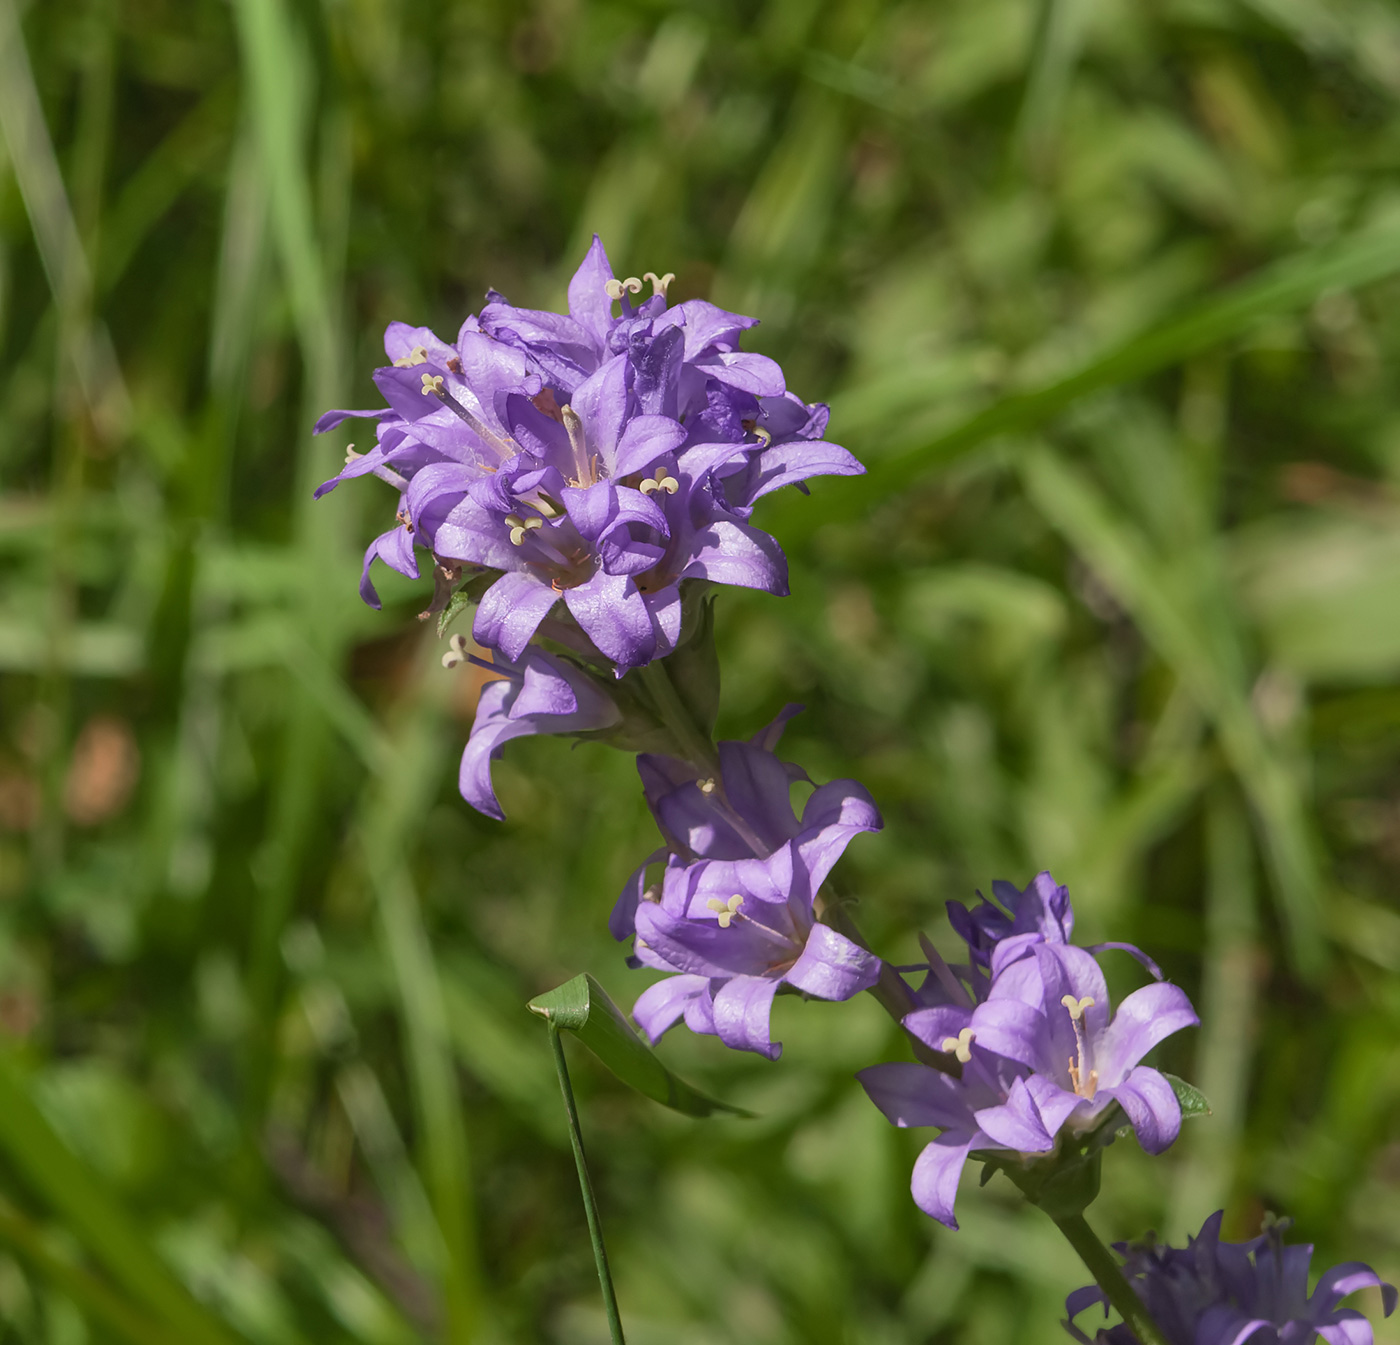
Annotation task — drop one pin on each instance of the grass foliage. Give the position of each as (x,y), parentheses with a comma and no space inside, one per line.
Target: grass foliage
(1105,294)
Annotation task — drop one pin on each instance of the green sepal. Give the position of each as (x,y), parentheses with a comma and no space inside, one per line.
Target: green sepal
(1193,1101)
(584,1008)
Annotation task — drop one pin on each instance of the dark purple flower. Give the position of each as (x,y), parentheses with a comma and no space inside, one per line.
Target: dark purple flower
(737,930)
(538,694)
(1003,931)
(1226,1293)
(594,459)
(1041,1055)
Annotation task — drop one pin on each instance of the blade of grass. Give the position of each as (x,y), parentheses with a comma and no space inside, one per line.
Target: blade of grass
(394,807)
(1204,653)
(95,1217)
(92,1296)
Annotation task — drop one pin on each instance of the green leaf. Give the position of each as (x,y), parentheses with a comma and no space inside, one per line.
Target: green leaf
(1193,1101)
(450,613)
(583,1006)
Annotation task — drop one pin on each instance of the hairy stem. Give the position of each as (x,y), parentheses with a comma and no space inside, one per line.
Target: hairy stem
(1109,1277)
(590,1205)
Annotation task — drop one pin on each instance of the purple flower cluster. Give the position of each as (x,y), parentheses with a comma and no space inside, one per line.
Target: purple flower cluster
(1042,1055)
(592,461)
(734,915)
(1226,1293)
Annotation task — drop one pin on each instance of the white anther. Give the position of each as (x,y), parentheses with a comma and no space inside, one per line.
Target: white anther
(726,910)
(418,355)
(707,786)
(659,283)
(764,437)
(1076,1007)
(350,454)
(660,480)
(456,652)
(520,528)
(432,385)
(961,1045)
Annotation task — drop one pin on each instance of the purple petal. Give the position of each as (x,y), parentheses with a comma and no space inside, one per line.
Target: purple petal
(645,439)
(915,1095)
(1349,1328)
(660,1006)
(935,1025)
(937,1172)
(490,732)
(1146,1017)
(333,418)
(1055,1104)
(707,325)
(611,611)
(395,549)
(1224,1325)
(589,304)
(1151,1106)
(1133,951)
(746,370)
(1016,1123)
(1018,1031)
(473,534)
(601,403)
(1347,1278)
(401,340)
(832,967)
(511,611)
(700,1012)
(622,923)
(742,1009)
(702,947)
(735,553)
(838,811)
(798,460)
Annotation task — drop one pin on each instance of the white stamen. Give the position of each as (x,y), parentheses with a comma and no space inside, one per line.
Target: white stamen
(418,355)
(660,480)
(726,910)
(432,385)
(961,1045)
(659,284)
(456,652)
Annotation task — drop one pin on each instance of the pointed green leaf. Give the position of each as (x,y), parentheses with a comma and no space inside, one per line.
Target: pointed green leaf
(1193,1101)
(583,1006)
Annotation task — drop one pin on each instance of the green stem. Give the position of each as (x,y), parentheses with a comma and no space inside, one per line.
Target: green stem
(694,745)
(590,1206)
(1110,1279)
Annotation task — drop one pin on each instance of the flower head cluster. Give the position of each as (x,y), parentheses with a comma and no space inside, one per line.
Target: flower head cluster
(590,461)
(734,915)
(1226,1293)
(1041,1051)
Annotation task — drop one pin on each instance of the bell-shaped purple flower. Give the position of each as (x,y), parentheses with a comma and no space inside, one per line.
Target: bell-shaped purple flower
(597,460)
(537,694)
(737,930)
(1041,1055)
(1223,1293)
(745,811)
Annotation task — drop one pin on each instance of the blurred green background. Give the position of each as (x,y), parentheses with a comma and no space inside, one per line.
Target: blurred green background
(1118,598)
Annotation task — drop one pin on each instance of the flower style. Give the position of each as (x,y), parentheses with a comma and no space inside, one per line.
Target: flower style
(594,459)
(1226,1293)
(739,929)
(1040,1055)
(537,694)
